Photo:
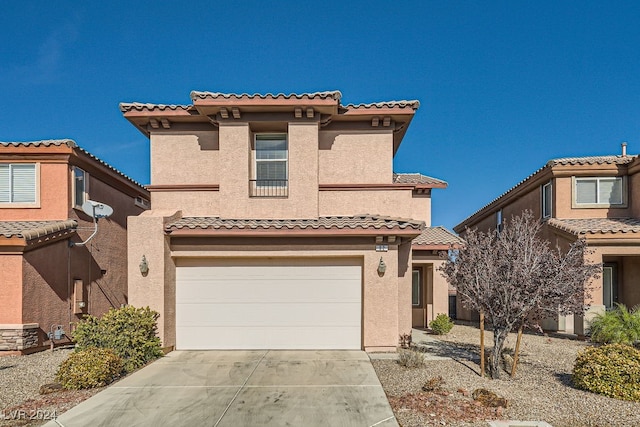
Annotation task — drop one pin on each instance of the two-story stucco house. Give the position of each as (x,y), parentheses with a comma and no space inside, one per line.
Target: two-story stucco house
(278,223)
(48,283)
(593,198)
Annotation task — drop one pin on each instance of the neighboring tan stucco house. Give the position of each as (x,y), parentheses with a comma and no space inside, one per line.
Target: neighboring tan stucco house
(47,284)
(594,198)
(278,223)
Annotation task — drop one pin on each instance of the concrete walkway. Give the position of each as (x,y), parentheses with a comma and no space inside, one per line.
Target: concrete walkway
(242,388)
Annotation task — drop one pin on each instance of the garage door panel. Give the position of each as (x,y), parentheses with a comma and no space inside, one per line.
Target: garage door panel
(264,315)
(263,291)
(264,305)
(269,268)
(240,338)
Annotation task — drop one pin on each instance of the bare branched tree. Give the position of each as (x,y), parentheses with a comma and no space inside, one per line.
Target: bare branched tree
(515,279)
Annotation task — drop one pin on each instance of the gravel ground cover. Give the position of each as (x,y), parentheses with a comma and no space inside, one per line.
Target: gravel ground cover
(541,390)
(21,403)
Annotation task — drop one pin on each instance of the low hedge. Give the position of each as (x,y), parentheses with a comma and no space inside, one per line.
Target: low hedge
(90,368)
(612,370)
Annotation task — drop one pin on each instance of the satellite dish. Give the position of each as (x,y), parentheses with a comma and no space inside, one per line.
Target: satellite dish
(97,209)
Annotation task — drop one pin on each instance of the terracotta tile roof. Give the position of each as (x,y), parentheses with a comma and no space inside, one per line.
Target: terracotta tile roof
(592,160)
(414,104)
(416,178)
(46,142)
(32,229)
(71,144)
(437,236)
(364,222)
(125,107)
(597,225)
(336,95)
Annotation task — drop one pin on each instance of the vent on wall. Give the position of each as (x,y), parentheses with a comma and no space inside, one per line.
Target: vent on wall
(142,203)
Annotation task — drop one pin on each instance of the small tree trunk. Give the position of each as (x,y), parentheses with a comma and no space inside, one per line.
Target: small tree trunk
(482,344)
(499,337)
(516,353)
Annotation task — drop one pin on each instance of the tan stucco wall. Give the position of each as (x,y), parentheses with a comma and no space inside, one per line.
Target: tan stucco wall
(630,280)
(156,290)
(184,158)
(634,194)
(356,157)
(395,203)
(192,203)
(46,288)
(54,196)
(11,289)
(421,208)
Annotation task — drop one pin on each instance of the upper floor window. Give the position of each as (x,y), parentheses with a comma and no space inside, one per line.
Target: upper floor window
(547,200)
(271,166)
(499,221)
(18,183)
(80,187)
(599,192)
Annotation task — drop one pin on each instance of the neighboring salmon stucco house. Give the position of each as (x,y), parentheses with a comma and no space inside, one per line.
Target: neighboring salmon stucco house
(47,281)
(594,198)
(278,223)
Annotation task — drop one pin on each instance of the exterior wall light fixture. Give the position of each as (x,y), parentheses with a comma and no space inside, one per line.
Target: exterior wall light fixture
(382,267)
(144,266)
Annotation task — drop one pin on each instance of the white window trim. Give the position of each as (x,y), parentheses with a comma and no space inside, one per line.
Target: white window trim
(544,202)
(36,204)
(576,205)
(74,202)
(255,150)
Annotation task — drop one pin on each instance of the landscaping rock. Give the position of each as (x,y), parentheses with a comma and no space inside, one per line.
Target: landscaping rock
(489,399)
(50,388)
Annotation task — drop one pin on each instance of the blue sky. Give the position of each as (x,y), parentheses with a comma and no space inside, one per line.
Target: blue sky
(504,86)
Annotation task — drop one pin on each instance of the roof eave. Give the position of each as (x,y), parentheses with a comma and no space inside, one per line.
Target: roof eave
(208,232)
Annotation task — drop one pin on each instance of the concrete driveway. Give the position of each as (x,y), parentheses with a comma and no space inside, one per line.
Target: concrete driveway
(242,388)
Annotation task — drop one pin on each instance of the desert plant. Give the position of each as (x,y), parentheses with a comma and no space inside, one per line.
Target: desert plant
(90,368)
(410,358)
(441,325)
(514,278)
(612,370)
(618,326)
(130,332)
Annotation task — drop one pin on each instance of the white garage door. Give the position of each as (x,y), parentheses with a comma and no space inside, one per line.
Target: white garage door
(305,304)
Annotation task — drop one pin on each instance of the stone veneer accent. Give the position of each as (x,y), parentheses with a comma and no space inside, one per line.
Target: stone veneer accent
(17,337)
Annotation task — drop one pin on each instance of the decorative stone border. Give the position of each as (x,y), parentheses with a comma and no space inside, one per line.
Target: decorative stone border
(18,337)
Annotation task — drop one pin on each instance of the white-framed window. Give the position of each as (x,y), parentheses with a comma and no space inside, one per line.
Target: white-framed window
(271,165)
(547,200)
(18,184)
(80,187)
(143,203)
(416,288)
(599,191)
(609,285)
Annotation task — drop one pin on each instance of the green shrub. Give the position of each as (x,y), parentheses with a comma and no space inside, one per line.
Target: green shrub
(612,370)
(89,368)
(130,332)
(410,358)
(618,326)
(441,324)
